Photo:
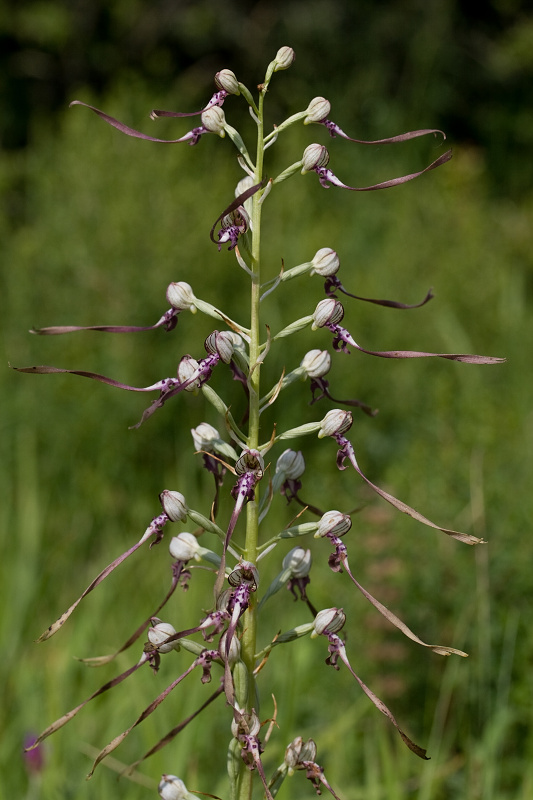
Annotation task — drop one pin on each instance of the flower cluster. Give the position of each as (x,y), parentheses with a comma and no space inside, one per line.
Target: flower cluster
(225,640)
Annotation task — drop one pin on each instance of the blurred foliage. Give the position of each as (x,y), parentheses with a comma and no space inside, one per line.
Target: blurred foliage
(467,69)
(95,225)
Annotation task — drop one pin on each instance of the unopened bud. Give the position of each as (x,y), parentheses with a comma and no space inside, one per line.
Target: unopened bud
(159,633)
(227,80)
(336,421)
(186,369)
(234,649)
(328,312)
(298,561)
(329,620)
(172,788)
(333,522)
(184,547)
(314,156)
(317,110)
(204,435)
(299,751)
(292,753)
(181,296)
(284,58)
(174,505)
(308,751)
(214,120)
(325,262)
(291,464)
(316,363)
(220,343)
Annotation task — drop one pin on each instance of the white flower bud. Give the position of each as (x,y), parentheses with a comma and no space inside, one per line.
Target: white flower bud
(159,633)
(298,751)
(204,435)
(234,649)
(214,120)
(327,312)
(291,464)
(316,363)
(172,788)
(184,547)
(227,80)
(298,561)
(174,505)
(292,753)
(284,58)
(335,422)
(181,297)
(329,620)
(186,369)
(333,522)
(221,344)
(308,751)
(315,155)
(317,110)
(207,438)
(250,461)
(325,262)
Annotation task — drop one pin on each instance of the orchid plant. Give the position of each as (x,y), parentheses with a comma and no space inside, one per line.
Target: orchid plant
(227,641)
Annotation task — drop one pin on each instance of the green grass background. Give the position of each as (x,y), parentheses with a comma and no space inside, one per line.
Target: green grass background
(108,222)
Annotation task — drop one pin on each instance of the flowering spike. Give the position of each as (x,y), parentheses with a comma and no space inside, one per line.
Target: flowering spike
(233,569)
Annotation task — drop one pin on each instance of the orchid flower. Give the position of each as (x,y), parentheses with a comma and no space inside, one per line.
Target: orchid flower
(335,424)
(327,623)
(191,374)
(329,313)
(332,526)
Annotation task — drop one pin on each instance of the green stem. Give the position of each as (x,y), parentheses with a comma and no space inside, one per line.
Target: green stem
(248,643)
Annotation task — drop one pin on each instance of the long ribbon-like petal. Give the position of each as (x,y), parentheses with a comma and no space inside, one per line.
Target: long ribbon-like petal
(327,176)
(150,531)
(55,726)
(348,452)
(437,648)
(415,748)
(174,732)
(335,130)
(98,661)
(131,131)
